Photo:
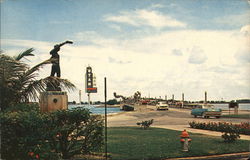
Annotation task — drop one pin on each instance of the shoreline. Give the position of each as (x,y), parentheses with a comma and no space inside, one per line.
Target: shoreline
(187,108)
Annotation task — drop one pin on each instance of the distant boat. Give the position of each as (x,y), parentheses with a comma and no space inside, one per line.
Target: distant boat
(126,107)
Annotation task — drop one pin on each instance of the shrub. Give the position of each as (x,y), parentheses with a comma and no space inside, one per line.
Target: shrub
(145,124)
(230,131)
(23,133)
(74,132)
(242,128)
(230,136)
(30,134)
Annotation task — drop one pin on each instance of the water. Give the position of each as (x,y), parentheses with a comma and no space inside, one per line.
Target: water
(101,110)
(242,106)
(96,109)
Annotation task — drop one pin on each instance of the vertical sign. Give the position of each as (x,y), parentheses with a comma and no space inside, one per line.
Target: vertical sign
(90,85)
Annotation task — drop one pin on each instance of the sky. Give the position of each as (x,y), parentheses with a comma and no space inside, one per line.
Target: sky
(157,47)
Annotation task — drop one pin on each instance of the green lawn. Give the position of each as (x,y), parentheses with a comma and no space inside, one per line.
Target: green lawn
(246,116)
(155,143)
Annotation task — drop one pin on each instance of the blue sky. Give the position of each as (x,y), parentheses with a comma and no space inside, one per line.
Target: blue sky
(53,20)
(160,47)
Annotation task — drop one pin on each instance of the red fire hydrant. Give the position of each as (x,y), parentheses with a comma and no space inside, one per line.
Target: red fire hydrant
(185,140)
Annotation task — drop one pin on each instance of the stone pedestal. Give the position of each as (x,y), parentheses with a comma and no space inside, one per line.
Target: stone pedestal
(53,100)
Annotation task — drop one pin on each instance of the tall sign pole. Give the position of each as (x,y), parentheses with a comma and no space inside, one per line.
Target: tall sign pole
(90,82)
(105,97)
(89,99)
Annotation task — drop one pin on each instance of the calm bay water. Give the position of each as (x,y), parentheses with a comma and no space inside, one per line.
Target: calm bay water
(242,106)
(101,110)
(96,109)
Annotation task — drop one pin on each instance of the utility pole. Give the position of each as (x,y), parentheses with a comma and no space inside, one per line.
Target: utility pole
(80,94)
(106,133)
(205,97)
(182,100)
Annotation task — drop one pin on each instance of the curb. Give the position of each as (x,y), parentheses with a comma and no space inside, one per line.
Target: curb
(231,156)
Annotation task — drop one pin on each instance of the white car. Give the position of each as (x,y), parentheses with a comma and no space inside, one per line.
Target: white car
(162,105)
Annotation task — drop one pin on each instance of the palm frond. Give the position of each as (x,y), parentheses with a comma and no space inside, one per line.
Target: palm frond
(67,85)
(32,90)
(25,53)
(10,69)
(37,67)
(64,83)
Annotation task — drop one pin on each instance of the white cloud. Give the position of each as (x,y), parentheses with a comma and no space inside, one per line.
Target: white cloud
(113,60)
(197,56)
(149,65)
(157,6)
(177,52)
(27,44)
(143,17)
(245,30)
(115,27)
(243,55)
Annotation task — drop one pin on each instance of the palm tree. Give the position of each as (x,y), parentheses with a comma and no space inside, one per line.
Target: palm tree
(19,83)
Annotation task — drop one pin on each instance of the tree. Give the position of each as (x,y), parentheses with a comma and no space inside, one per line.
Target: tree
(137,96)
(112,102)
(20,83)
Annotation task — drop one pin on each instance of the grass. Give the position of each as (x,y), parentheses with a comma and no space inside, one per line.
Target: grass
(246,116)
(126,143)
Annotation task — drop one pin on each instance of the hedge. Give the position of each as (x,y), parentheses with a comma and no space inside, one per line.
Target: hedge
(29,134)
(242,128)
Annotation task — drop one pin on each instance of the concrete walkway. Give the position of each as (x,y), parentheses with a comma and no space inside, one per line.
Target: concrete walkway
(231,156)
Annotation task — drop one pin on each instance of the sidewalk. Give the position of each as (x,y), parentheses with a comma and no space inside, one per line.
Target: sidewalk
(231,156)
(201,131)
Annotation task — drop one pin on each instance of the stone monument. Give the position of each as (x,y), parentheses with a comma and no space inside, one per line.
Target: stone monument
(54,98)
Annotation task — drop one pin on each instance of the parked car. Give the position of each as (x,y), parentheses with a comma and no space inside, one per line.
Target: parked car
(206,111)
(162,105)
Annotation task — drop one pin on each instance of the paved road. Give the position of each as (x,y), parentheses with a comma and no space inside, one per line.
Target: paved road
(174,118)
